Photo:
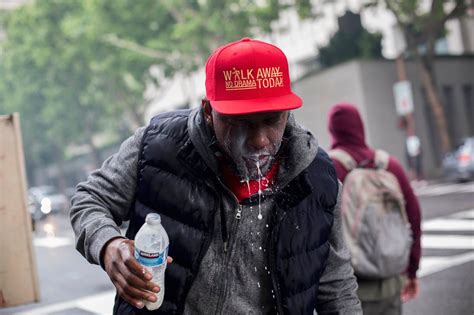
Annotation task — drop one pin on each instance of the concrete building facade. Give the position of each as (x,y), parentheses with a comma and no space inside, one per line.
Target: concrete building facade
(369,85)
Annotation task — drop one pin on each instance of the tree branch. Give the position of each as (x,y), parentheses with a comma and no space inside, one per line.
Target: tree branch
(114,40)
(458,11)
(434,4)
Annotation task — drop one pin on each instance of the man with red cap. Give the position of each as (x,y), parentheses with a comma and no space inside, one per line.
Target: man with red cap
(248,199)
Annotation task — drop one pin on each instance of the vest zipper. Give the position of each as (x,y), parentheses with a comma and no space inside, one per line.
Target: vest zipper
(238,213)
(272,260)
(225,236)
(227,245)
(227,256)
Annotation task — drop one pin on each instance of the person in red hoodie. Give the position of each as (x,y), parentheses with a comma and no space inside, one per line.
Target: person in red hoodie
(378,296)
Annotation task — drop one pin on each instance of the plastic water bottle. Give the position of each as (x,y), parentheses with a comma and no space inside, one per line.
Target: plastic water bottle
(151,251)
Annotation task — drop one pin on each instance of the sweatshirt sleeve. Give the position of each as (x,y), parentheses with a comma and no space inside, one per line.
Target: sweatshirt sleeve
(413,214)
(103,201)
(338,286)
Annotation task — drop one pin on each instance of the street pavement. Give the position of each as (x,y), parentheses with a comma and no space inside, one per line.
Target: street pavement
(70,285)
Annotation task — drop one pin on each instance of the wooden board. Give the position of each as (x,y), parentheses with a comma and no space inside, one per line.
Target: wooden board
(18,275)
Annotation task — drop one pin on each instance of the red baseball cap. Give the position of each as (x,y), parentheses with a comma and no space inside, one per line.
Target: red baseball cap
(249,76)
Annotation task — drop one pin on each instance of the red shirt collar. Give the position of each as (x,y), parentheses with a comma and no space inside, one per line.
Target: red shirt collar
(240,189)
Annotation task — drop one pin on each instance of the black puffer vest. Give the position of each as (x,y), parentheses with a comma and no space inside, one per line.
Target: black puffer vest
(175,181)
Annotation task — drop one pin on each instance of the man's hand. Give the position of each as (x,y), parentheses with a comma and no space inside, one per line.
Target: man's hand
(132,280)
(410,290)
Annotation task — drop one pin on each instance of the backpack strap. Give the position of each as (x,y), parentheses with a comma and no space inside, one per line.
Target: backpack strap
(381,159)
(342,156)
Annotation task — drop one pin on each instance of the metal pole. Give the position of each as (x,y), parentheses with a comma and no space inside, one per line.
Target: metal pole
(409,119)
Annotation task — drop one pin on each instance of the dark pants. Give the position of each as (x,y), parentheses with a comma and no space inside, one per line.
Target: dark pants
(389,306)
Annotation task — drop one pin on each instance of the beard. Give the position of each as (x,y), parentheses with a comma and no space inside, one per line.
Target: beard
(252,165)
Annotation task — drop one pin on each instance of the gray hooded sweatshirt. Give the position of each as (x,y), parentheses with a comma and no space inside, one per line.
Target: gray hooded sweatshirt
(233,278)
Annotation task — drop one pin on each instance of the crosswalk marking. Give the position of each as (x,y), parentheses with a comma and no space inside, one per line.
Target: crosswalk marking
(430,265)
(444,189)
(447,241)
(52,242)
(448,225)
(454,223)
(468,214)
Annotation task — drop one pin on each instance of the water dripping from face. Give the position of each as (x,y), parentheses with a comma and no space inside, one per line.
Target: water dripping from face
(251,141)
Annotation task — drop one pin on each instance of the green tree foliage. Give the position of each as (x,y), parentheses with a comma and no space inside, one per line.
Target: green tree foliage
(77,68)
(44,78)
(351,41)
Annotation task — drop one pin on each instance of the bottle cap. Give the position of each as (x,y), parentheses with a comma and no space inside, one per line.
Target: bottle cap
(153,219)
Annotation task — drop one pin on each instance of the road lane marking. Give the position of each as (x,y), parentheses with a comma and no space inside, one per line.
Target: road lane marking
(431,265)
(444,189)
(52,242)
(447,241)
(458,222)
(454,225)
(468,214)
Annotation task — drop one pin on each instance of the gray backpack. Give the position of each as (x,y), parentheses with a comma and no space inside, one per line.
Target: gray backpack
(374,220)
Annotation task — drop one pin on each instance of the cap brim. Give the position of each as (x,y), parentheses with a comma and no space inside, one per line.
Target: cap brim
(258,105)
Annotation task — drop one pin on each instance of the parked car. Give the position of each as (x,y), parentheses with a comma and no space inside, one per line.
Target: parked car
(458,164)
(47,200)
(34,207)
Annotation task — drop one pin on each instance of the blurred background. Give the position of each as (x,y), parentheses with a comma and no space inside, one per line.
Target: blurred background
(85,74)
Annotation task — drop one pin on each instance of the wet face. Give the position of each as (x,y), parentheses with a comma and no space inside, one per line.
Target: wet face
(251,141)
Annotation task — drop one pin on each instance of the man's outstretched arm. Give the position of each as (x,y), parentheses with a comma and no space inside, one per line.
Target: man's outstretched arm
(100,204)
(103,201)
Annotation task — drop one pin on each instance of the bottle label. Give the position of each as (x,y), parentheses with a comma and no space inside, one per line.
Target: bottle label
(151,259)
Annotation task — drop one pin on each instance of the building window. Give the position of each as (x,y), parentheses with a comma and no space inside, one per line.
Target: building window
(469,107)
(450,111)
(433,134)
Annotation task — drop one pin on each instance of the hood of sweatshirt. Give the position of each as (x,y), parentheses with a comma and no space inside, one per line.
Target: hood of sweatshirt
(347,131)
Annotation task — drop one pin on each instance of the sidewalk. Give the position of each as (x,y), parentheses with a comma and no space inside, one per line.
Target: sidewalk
(68,283)
(102,303)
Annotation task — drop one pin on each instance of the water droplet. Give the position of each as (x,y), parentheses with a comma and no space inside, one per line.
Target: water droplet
(266,225)
(260,248)
(273,296)
(255,269)
(259,191)
(266,268)
(258,283)
(265,182)
(268,272)
(272,291)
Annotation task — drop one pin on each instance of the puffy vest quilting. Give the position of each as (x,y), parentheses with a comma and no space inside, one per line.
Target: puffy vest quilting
(175,181)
